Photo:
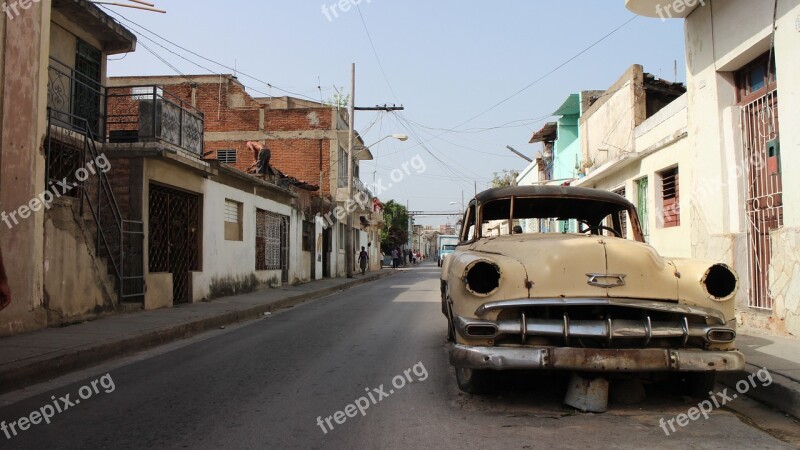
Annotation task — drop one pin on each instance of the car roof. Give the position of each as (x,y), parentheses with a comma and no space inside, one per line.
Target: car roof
(553,191)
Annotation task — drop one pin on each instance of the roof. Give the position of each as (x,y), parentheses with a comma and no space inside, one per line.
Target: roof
(115,37)
(547,133)
(570,107)
(553,191)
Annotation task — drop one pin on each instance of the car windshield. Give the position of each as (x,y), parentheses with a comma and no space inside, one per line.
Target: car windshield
(554,215)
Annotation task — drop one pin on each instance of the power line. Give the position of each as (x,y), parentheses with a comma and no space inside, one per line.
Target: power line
(235,70)
(538,80)
(375,52)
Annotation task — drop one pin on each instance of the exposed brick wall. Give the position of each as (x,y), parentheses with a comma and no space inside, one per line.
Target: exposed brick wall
(228,108)
(299,158)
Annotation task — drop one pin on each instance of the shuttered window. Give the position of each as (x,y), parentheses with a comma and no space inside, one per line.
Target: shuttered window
(233,221)
(670,196)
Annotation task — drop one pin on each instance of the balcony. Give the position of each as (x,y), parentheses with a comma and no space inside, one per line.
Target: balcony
(360,191)
(123,114)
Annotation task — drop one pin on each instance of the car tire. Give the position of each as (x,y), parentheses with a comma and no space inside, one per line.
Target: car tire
(451,327)
(473,381)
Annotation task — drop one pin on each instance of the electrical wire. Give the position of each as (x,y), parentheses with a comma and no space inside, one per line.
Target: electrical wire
(238,72)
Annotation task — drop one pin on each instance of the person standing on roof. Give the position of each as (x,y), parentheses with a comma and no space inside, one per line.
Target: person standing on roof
(261,154)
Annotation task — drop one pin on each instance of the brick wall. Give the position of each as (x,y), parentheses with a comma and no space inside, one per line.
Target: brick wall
(228,108)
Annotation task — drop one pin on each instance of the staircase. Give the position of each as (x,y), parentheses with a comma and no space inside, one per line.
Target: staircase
(72,156)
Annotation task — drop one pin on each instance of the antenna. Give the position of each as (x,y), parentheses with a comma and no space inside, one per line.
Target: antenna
(146,6)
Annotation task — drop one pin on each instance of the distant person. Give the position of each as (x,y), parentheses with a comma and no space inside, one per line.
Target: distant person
(261,154)
(5,294)
(395,258)
(363,258)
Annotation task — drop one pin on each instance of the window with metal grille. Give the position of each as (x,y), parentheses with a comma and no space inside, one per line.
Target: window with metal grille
(233,221)
(670,198)
(226,156)
(272,240)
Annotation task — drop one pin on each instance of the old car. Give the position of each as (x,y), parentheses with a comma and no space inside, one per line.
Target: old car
(560,278)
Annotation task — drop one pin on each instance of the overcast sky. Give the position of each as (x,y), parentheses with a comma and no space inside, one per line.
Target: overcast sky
(446,61)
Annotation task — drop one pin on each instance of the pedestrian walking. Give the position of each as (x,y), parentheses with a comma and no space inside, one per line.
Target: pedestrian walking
(395,258)
(363,258)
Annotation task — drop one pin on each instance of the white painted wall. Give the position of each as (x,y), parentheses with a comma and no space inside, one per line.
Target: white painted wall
(721,38)
(660,143)
(223,258)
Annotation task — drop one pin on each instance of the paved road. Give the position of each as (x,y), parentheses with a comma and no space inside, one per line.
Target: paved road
(264,384)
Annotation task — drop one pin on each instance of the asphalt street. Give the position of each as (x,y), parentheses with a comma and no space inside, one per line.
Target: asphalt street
(280,382)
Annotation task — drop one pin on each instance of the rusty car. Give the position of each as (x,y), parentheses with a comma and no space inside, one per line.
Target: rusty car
(560,278)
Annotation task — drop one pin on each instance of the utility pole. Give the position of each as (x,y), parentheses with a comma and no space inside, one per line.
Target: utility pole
(348,237)
(349,256)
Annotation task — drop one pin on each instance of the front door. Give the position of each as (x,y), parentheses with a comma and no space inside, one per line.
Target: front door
(174,240)
(327,235)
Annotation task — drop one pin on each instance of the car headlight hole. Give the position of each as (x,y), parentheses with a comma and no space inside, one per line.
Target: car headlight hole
(720,281)
(483,278)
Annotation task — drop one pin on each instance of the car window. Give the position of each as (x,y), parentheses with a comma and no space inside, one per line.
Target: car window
(552,215)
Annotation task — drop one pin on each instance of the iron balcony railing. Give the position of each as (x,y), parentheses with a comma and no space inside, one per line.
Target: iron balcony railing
(149,113)
(120,114)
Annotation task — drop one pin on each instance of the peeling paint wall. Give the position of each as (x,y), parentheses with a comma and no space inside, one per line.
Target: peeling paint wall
(76,281)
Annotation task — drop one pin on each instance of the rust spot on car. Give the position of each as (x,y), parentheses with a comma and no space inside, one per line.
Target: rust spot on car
(609,360)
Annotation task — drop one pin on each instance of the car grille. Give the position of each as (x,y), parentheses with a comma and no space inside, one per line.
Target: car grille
(598,326)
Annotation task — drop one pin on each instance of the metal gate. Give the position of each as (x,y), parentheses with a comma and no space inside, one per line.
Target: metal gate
(272,243)
(764,202)
(174,236)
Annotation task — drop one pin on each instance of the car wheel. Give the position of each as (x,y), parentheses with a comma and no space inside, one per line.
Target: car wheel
(473,381)
(451,328)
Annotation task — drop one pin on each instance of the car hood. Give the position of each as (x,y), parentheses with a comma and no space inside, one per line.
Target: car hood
(573,265)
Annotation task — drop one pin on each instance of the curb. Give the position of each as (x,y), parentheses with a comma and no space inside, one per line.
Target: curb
(783,394)
(42,370)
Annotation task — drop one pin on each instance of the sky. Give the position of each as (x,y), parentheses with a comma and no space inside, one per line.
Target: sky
(474,77)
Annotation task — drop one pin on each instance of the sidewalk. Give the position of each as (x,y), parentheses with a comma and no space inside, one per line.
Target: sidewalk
(33,357)
(781,356)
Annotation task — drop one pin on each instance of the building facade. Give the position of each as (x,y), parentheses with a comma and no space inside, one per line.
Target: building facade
(307,141)
(742,63)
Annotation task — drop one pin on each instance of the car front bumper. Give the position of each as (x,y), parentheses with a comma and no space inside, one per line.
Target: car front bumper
(595,360)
